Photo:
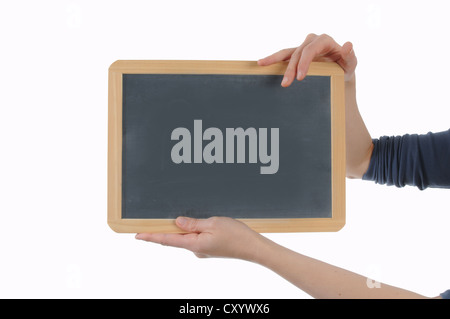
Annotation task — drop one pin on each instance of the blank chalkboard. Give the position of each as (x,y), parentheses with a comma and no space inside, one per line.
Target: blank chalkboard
(218,138)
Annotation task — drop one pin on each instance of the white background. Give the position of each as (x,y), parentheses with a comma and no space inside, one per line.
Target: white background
(54,239)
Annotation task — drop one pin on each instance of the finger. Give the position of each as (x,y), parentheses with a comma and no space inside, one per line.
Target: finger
(320,46)
(279,56)
(292,68)
(192,225)
(175,240)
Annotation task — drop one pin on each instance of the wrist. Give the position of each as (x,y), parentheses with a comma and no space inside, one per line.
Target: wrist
(264,250)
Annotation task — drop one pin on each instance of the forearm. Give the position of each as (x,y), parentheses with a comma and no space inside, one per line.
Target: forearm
(358,141)
(322,280)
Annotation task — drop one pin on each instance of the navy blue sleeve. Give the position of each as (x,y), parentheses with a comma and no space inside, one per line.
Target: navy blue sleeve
(445,295)
(416,160)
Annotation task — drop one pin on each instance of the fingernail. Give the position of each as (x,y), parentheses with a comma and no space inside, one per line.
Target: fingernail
(285,81)
(299,75)
(181,221)
(138,236)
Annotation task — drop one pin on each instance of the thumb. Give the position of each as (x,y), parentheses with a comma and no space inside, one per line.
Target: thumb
(348,61)
(347,52)
(191,225)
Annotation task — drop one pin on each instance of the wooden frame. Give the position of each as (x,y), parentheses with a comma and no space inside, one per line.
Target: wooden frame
(118,68)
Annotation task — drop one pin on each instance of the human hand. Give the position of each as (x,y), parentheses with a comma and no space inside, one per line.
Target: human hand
(212,237)
(320,48)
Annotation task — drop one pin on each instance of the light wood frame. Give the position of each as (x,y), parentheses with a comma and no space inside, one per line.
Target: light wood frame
(118,68)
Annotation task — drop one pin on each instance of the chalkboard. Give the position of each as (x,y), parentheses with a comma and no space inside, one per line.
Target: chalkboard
(218,138)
